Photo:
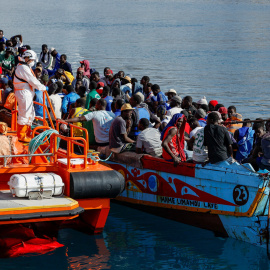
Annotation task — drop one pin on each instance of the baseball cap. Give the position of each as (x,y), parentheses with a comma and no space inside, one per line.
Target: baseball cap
(126,107)
(223,110)
(213,102)
(171,91)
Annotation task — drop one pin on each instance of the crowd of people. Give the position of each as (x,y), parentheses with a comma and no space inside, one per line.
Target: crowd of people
(125,113)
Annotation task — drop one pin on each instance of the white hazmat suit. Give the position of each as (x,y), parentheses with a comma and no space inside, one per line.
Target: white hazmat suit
(25,84)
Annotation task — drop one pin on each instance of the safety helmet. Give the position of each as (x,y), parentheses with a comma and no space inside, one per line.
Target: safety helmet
(31,54)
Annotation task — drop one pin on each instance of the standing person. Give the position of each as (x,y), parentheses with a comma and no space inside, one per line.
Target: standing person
(25,84)
(56,61)
(245,138)
(173,139)
(45,57)
(217,139)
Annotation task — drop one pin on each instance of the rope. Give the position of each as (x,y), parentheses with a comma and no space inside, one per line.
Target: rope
(96,158)
(36,142)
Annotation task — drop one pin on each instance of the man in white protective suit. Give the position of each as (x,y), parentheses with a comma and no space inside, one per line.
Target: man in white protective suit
(25,83)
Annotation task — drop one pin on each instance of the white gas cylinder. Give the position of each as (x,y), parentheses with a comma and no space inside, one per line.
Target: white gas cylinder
(21,184)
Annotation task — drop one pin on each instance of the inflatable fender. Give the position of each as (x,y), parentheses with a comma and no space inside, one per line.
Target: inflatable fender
(96,184)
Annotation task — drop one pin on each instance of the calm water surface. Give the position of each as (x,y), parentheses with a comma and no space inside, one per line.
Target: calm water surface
(218,49)
(135,240)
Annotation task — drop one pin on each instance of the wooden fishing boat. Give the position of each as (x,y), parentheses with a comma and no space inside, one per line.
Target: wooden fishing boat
(83,187)
(228,199)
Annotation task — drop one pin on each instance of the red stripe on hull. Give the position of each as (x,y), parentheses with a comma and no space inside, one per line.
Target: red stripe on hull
(153,163)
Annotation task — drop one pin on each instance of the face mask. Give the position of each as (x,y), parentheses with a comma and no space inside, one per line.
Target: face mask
(31,64)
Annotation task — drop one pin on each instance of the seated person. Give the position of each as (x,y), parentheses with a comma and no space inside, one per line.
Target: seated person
(148,141)
(217,139)
(56,100)
(118,105)
(175,104)
(173,139)
(102,121)
(60,75)
(119,140)
(164,118)
(255,155)
(92,94)
(200,115)
(265,144)
(233,116)
(68,100)
(200,153)
(78,111)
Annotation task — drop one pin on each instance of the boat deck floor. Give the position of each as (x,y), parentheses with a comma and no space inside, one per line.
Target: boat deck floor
(7,201)
(14,208)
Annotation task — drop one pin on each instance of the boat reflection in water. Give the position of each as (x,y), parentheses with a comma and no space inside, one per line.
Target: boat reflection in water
(137,240)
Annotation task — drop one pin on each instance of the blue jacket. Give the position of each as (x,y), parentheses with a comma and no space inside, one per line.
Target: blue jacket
(245,143)
(68,100)
(39,108)
(56,66)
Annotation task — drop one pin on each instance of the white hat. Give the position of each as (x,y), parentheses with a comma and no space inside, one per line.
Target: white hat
(52,49)
(171,91)
(202,101)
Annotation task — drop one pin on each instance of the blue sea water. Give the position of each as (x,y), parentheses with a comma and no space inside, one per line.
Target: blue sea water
(218,49)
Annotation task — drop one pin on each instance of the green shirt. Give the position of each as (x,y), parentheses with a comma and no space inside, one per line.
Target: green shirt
(89,126)
(92,94)
(7,63)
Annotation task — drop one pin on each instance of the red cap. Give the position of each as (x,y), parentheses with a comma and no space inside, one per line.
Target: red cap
(80,69)
(109,72)
(223,110)
(100,84)
(81,62)
(213,103)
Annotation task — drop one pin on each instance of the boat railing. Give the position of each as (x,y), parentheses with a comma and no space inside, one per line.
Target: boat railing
(70,141)
(14,113)
(6,157)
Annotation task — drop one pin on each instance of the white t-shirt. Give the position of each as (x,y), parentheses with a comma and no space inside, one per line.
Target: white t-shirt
(102,121)
(171,112)
(200,152)
(194,131)
(56,101)
(149,139)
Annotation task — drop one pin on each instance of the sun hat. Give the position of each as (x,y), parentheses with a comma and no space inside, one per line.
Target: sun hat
(171,91)
(126,107)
